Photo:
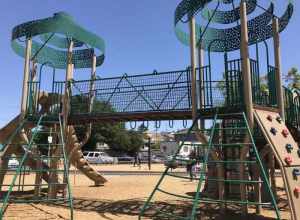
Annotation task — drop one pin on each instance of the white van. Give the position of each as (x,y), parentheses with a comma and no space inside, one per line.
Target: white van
(97,157)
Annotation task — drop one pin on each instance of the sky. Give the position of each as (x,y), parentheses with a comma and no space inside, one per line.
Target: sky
(139,37)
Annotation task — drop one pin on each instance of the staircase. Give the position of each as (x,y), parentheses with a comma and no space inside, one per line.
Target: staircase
(42,173)
(229,163)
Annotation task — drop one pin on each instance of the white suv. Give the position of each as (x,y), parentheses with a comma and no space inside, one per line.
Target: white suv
(97,157)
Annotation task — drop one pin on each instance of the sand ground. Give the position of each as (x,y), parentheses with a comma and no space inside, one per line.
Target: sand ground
(123,196)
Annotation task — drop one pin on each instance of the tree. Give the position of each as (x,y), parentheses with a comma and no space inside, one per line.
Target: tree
(293,78)
(113,134)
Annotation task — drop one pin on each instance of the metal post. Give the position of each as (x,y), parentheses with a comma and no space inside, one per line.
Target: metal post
(149,153)
(279,89)
(193,66)
(26,77)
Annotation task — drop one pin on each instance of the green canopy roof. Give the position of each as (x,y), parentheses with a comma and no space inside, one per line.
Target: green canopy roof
(50,38)
(224,38)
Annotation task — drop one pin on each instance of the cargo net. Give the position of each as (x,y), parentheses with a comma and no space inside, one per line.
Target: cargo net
(168,91)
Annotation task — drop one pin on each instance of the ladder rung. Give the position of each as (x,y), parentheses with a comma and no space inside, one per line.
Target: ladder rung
(170,214)
(27,185)
(173,194)
(38,200)
(232,128)
(232,161)
(235,181)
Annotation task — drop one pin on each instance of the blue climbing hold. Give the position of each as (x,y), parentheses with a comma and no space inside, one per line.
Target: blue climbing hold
(273,131)
(296,173)
(289,148)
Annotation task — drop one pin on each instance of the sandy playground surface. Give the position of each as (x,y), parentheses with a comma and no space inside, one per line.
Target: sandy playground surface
(123,196)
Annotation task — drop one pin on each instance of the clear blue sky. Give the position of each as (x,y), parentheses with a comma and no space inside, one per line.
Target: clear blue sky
(139,36)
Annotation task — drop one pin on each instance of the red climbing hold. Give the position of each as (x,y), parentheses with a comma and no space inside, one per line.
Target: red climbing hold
(288,160)
(285,132)
(297,191)
(270,118)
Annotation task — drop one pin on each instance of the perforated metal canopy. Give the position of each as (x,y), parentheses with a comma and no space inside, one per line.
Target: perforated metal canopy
(224,38)
(50,38)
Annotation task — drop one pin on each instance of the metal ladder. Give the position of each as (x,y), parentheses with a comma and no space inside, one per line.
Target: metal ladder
(44,156)
(207,159)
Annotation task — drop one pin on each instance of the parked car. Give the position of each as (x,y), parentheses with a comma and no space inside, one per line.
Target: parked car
(179,161)
(98,157)
(125,159)
(13,163)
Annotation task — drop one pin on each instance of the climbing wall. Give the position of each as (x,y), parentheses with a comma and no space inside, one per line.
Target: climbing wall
(287,153)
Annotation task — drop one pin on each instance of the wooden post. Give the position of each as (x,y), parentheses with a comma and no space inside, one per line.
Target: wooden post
(279,89)
(69,76)
(247,89)
(193,66)
(246,72)
(92,84)
(201,82)
(26,77)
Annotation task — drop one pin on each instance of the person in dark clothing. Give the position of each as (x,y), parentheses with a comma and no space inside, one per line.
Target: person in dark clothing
(137,159)
(190,164)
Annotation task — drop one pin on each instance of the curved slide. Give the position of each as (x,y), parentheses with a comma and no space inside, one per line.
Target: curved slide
(77,159)
(287,152)
(72,146)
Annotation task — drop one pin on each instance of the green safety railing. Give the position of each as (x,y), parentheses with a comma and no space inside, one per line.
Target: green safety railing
(292,107)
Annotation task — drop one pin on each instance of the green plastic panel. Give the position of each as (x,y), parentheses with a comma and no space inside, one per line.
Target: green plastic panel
(50,38)
(220,39)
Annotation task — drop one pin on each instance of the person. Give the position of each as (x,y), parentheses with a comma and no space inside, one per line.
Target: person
(137,159)
(190,164)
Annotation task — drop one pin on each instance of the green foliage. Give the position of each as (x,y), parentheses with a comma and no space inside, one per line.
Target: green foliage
(264,87)
(115,135)
(293,78)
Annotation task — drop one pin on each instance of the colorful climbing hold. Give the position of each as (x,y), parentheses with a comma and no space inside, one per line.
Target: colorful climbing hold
(279,119)
(297,191)
(285,132)
(289,148)
(288,160)
(270,118)
(296,173)
(273,131)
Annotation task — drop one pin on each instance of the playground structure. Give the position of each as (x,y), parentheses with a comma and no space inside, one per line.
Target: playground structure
(252,130)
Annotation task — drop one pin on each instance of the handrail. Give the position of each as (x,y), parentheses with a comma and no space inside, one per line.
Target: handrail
(66,165)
